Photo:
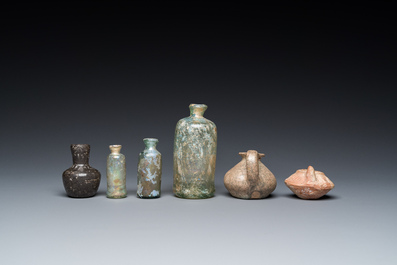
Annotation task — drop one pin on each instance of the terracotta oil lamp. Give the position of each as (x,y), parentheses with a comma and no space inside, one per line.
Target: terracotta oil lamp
(309,184)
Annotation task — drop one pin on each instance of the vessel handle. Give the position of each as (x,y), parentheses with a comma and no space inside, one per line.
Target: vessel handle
(253,165)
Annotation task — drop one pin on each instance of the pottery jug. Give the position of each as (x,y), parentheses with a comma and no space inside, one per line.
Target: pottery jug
(116,173)
(195,155)
(81,180)
(149,170)
(250,178)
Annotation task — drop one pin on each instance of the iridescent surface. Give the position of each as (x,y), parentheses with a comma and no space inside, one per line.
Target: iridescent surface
(116,174)
(195,155)
(149,170)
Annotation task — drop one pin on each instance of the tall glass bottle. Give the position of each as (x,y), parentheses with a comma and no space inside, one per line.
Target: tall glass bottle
(149,170)
(195,155)
(116,173)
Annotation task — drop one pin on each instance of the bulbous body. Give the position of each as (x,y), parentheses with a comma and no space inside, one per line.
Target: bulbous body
(81,180)
(250,178)
(116,173)
(195,155)
(309,183)
(149,170)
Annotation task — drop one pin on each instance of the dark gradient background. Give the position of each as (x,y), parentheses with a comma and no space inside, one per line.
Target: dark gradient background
(305,87)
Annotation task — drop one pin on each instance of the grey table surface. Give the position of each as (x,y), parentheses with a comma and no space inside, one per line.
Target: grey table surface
(354,224)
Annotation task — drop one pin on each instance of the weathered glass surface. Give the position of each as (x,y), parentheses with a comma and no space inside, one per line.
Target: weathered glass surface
(149,170)
(81,180)
(195,155)
(116,173)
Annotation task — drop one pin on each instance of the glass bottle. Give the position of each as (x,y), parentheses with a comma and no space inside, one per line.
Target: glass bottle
(81,180)
(149,170)
(195,155)
(116,173)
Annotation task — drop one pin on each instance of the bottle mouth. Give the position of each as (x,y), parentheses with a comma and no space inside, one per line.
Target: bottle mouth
(115,148)
(80,148)
(150,140)
(197,110)
(194,105)
(79,145)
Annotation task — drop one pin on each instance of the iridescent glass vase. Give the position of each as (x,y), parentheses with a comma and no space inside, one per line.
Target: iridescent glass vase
(195,155)
(149,170)
(116,173)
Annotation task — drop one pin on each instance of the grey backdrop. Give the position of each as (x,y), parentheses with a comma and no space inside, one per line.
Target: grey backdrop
(305,90)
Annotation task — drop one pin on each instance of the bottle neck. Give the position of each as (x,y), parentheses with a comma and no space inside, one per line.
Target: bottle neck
(197,110)
(80,153)
(150,143)
(150,148)
(80,162)
(115,149)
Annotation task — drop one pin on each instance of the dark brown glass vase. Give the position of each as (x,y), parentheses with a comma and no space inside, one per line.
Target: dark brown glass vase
(81,180)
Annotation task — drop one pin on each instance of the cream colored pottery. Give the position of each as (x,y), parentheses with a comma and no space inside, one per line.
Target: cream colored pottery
(250,178)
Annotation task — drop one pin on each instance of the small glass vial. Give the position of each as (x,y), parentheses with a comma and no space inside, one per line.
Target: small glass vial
(149,170)
(116,173)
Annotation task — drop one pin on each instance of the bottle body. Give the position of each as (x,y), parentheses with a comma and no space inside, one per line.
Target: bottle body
(149,170)
(195,147)
(81,180)
(116,174)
